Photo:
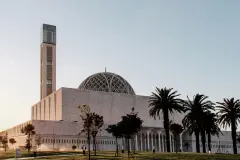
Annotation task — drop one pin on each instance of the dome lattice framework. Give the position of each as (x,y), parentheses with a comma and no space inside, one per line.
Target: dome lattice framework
(107,82)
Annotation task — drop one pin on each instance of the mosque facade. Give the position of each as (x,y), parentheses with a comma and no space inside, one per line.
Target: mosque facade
(56,116)
(57,121)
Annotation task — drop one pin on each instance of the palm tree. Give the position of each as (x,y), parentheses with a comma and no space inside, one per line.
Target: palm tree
(229,116)
(176,129)
(194,118)
(211,127)
(190,124)
(165,100)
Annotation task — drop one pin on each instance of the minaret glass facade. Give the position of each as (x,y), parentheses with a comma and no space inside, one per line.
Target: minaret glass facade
(48,60)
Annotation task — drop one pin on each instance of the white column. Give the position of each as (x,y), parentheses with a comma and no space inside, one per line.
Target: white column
(148,144)
(159,141)
(145,141)
(141,139)
(152,141)
(170,143)
(181,141)
(163,143)
(136,143)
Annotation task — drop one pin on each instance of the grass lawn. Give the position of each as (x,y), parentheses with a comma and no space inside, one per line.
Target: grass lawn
(11,154)
(137,156)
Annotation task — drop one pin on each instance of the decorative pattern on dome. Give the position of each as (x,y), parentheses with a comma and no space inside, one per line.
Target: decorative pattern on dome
(107,82)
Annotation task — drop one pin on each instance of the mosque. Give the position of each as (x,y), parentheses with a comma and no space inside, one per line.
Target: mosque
(56,116)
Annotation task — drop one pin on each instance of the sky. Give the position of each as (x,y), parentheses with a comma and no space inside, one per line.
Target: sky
(191,46)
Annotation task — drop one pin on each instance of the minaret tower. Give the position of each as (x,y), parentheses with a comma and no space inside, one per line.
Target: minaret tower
(48,60)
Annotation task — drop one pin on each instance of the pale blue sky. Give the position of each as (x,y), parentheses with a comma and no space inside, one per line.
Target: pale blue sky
(192,46)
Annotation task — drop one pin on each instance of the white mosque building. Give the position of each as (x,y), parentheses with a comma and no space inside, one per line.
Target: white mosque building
(56,116)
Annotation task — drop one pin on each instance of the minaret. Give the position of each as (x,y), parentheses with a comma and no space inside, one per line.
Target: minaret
(48,60)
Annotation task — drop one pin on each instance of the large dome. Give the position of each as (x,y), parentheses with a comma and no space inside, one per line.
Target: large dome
(107,82)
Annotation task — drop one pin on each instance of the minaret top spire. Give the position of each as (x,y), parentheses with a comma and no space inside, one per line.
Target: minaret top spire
(105,69)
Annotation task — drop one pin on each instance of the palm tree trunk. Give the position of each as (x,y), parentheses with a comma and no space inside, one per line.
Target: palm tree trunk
(128,147)
(197,141)
(166,127)
(209,141)
(234,138)
(203,138)
(116,146)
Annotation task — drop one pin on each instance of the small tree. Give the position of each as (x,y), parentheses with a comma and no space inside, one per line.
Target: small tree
(115,130)
(5,141)
(176,129)
(87,123)
(95,128)
(130,125)
(12,141)
(74,147)
(38,140)
(29,131)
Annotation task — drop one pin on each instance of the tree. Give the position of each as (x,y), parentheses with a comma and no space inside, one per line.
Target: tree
(29,131)
(229,116)
(95,128)
(87,123)
(165,100)
(5,141)
(194,119)
(38,140)
(87,126)
(130,125)
(115,130)
(211,127)
(12,141)
(176,129)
